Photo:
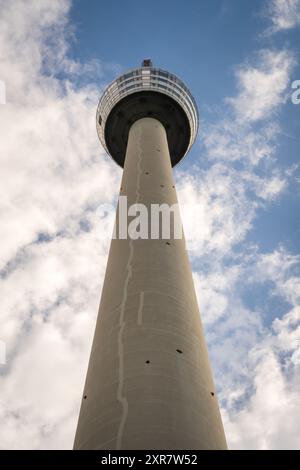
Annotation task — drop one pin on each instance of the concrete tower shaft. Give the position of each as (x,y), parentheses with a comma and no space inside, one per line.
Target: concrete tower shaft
(149,383)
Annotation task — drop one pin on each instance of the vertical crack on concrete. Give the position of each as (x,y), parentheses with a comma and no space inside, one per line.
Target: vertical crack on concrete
(122,323)
(120,394)
(141,305)
(139,166)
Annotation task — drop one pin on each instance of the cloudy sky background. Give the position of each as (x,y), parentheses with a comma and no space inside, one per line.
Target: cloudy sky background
(239,59)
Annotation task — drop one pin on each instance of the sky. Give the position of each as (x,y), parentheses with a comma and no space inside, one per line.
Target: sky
(239,59)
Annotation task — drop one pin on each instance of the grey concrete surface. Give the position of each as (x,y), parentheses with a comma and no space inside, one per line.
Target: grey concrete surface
(149,383)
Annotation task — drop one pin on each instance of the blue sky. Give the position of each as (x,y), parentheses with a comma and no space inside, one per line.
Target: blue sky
(239,59)
(203,42)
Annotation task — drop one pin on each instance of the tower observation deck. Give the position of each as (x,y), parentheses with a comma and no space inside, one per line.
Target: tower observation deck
(149,383)
(147,92)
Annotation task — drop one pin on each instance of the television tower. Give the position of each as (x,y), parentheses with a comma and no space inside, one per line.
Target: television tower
(149,383)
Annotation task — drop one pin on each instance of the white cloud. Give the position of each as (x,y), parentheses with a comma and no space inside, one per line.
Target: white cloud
(223,203)
(288,334)
(279,267)
(214,291)
(271,418)
(283,14)
(261,399)
(230,140)
(262,85)
(224,213)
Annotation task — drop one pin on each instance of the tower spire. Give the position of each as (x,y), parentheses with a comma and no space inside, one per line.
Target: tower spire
(147,63)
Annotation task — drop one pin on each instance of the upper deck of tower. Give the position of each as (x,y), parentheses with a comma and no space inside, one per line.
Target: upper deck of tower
(147,92)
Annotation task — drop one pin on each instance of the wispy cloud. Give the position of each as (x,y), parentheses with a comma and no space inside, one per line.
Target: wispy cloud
(269,418)
(283,15)
(262,85)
